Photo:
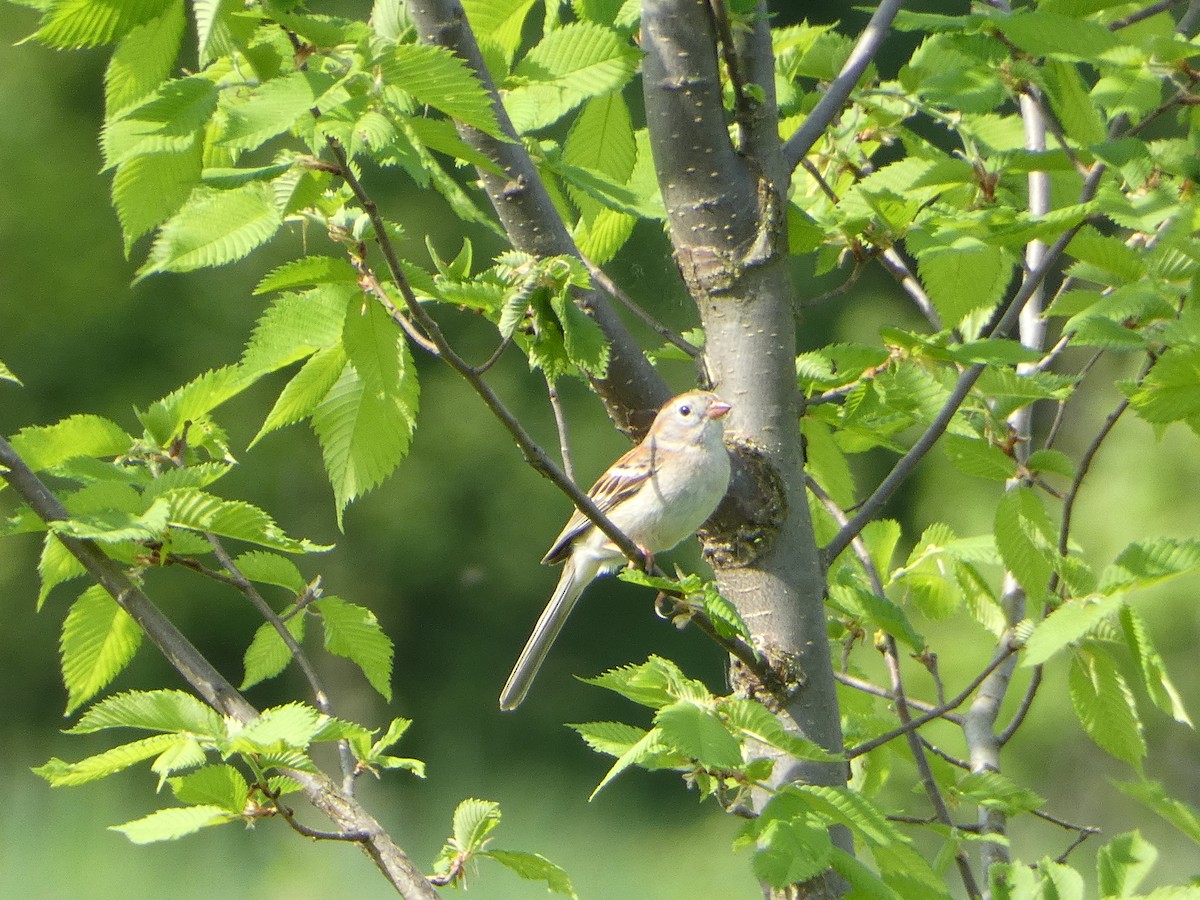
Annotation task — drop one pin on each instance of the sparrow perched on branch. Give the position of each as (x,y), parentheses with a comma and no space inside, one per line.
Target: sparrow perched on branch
(658,493)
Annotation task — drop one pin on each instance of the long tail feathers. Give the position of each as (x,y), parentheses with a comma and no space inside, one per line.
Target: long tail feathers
(549,624)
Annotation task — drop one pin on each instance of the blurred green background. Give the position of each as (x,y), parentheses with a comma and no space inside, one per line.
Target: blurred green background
(446,554)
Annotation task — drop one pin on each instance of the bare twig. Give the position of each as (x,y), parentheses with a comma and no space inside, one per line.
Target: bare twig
(560,424)
(369,282)
(891,260)
(868,687)
(610,287)
(1142,14)
(830,105)
(938,712)
(932,790)
(1022,710)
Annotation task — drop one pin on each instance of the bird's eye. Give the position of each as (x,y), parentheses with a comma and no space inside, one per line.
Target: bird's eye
(685,410)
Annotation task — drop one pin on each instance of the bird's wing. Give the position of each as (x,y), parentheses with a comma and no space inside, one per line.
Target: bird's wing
(622,480)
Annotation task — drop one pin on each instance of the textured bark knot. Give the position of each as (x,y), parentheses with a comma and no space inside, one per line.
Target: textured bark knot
(745,524)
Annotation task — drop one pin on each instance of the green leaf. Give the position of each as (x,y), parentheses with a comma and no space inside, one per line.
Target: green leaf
(44,446)
(172,711)
(600,140)
(1105,707)
(98,641)
(271,568)
(978,457)
(438,78)
(267,654)
(964,276)
(364,434)
(202,512)
(170,120)
(534,867)
(571,64)
(307,271)
(498,22)
(1146,563)
(272,108)
(1056,36)
(694,732)
(855,600)
(648,750)
(144,58)
(1151,793)
(474,820)
(1052,462)
(186,753)
(213,228)
(1171,390)
(609,738)
(750,719)
(995,790)
(1071,104)
(150,188)
(64,774)
(172,824)
(294,725)
(792,851)
(165,419)
(305,392)
(55,565)
(297,325)
(852,809)
(1123,863)
(220,785)
(1071,622)
(353,632)
(74,24)
(1026,539)
(1151,667)
(585,343)
(656,683)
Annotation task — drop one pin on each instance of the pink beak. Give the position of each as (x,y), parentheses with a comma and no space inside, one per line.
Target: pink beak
(717,409)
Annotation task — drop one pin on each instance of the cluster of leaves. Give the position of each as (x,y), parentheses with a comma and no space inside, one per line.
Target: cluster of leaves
(473,825)
(186,734)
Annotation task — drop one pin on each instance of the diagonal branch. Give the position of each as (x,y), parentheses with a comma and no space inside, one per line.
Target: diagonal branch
(827,109)
(210,684)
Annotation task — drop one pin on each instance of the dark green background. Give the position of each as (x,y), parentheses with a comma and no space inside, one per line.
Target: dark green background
(446,553)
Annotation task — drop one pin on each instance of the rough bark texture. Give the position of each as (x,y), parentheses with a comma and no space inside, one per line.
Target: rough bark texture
(726,222)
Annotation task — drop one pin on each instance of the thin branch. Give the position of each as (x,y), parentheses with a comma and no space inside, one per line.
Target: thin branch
(932,790)
(868,687)
(860,266)
(484,366)
(1023,710)
(370,283)
(891,260)
(1142,14)
(937,751)
(610,287)
(905,465)
(533,453)
(830,105)
(742,108)
(938,712)
(681,610)
(560,425)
